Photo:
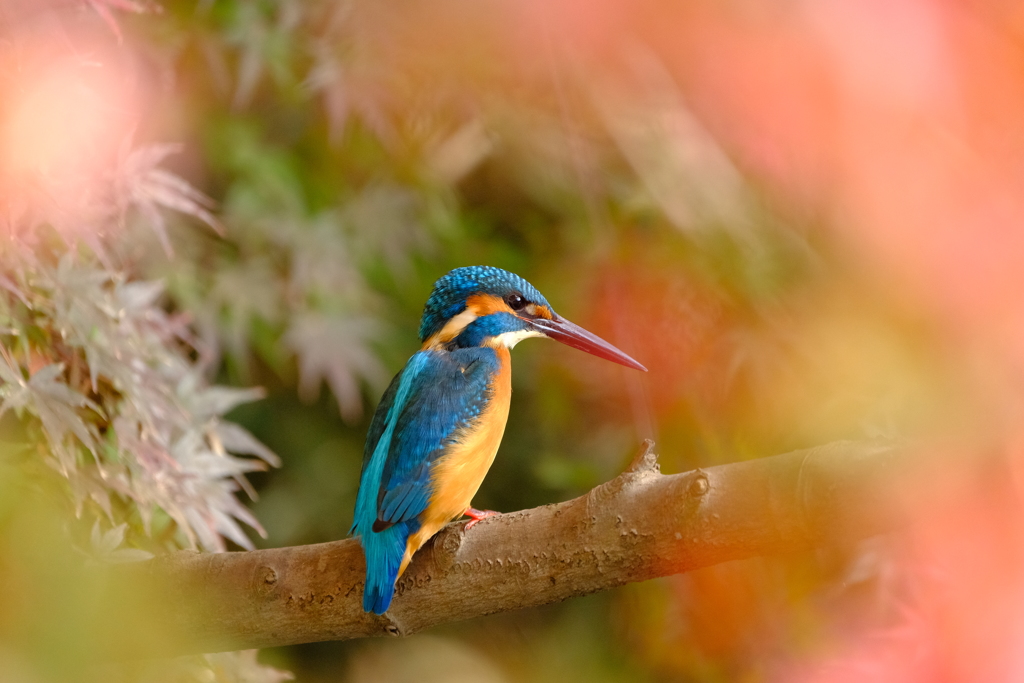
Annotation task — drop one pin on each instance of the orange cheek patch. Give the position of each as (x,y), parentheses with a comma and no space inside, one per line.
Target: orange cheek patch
(540,311)
(485,304)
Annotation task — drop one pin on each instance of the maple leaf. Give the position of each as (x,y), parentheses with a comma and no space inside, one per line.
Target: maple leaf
(105,547)
(336,349)
(143,184)
(50,399)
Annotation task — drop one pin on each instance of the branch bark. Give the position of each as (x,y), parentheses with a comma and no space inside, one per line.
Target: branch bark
(639,526)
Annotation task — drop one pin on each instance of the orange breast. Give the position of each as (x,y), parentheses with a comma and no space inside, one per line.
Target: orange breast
(458,474)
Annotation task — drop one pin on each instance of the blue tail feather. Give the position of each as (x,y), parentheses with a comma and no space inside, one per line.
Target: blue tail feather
(383,551)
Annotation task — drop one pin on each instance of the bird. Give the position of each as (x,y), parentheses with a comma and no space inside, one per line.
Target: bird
(438,425)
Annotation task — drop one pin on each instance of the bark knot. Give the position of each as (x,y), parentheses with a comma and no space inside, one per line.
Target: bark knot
(264,579)
(698,486)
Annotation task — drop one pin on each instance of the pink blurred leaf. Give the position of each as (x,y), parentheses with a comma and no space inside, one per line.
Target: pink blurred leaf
(149,188)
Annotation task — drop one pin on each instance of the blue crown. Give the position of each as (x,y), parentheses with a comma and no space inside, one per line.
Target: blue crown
(451,291)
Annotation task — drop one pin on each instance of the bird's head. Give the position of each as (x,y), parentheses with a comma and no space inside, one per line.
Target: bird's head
(487,306)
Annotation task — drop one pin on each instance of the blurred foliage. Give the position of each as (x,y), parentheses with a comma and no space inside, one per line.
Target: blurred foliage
(355,152)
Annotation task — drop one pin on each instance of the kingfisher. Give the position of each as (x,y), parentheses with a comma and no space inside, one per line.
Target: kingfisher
(439,424)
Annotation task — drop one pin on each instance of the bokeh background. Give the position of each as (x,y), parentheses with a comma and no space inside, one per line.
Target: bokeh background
(804,218)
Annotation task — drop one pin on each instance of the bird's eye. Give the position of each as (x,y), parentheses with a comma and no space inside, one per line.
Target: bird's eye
(515,302)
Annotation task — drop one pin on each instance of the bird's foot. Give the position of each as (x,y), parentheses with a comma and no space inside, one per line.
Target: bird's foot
(477,515)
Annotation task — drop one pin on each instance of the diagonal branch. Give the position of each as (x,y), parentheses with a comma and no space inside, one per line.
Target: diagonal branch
(639,526)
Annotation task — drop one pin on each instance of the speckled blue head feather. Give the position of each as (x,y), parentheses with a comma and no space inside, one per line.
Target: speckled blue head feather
(451,291)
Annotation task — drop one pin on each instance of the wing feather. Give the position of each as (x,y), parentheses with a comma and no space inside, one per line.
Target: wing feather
(448,394)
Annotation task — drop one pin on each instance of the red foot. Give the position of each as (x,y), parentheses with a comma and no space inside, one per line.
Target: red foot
(477,515)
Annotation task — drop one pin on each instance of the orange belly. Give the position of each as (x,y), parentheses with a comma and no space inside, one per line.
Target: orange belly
(458,474)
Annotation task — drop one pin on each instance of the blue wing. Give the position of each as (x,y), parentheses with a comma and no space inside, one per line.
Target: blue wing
(449,393)
(436,394)
(377,426)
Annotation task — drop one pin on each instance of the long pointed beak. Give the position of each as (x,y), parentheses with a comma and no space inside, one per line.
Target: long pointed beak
(575,336)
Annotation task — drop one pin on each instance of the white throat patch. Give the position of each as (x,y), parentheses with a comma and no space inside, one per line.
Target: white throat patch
(510,339)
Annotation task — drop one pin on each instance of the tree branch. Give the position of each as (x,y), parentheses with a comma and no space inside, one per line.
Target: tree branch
(639,526)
